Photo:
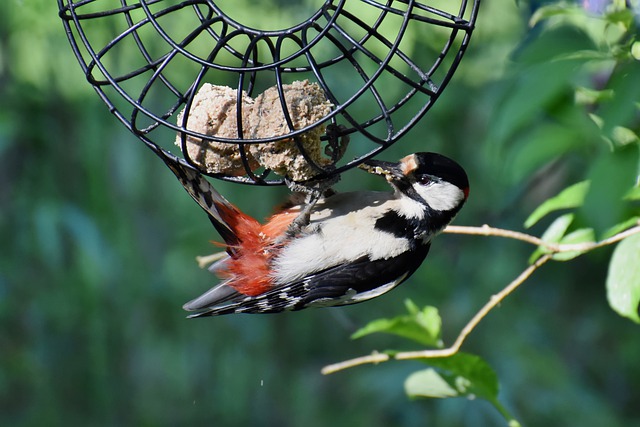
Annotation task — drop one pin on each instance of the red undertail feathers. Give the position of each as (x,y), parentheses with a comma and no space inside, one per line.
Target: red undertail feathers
(248,269)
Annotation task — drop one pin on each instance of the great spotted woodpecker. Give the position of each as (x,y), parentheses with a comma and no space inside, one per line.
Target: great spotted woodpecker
(351,247)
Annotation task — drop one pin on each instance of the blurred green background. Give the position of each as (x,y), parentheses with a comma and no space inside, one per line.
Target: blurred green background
(97,247)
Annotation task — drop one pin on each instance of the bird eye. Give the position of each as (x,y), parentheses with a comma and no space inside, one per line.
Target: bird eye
(424,179)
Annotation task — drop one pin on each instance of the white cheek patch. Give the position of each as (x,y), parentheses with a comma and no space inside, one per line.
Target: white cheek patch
(441,196)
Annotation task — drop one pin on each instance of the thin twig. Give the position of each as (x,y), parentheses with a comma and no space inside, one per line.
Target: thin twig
(449,351)
(206,260)
(469,327)
(485,230)
(374,358)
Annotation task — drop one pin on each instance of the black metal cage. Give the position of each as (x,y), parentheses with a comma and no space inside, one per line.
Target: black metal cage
(380,65)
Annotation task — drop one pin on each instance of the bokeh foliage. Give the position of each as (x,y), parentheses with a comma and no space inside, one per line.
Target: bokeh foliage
(97,247)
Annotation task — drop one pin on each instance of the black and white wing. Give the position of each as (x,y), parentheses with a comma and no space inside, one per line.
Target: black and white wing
(340,285)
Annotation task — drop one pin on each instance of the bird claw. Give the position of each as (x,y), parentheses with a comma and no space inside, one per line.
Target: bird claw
(314,190)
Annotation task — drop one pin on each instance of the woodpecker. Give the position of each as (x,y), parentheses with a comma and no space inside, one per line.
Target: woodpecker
(350,247)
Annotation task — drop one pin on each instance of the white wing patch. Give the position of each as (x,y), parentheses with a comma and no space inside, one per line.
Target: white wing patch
(373,293)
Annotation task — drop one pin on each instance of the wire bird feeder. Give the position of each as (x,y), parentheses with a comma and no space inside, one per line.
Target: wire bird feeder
(255,106)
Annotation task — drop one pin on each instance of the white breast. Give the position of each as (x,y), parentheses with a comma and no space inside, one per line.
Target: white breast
(342,229)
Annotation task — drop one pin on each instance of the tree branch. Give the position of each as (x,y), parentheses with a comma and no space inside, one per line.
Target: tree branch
(486,230)
(496,299)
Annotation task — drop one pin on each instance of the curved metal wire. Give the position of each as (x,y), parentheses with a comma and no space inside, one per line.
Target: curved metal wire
(147,59)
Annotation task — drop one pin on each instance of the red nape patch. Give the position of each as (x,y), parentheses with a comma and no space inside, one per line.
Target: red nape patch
(466,192)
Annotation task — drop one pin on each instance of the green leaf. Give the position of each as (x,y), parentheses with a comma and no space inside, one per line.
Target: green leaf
(621,227)
(624,83)
(428,383)
(583,235)
(571,197)
(622,135)
(553,234)
(604,31)
(469,374)
(633,194)
(622,16)
(635,50)
(623,278)
(546,12)
(534,85)
(460,375)
(611,176)
(599,121)
(557,229)
(585,55)
(588,96)
(540,146)
(422,326)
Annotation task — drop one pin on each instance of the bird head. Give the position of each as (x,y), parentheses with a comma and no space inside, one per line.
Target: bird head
(431,179)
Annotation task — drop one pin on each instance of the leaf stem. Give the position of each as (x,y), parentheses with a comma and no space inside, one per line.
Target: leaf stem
(511,420)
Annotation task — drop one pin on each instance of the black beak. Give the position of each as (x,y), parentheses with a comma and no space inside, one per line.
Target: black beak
(391,171)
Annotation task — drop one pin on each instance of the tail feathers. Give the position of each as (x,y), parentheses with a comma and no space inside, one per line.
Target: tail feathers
(214,296)
(220,210)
